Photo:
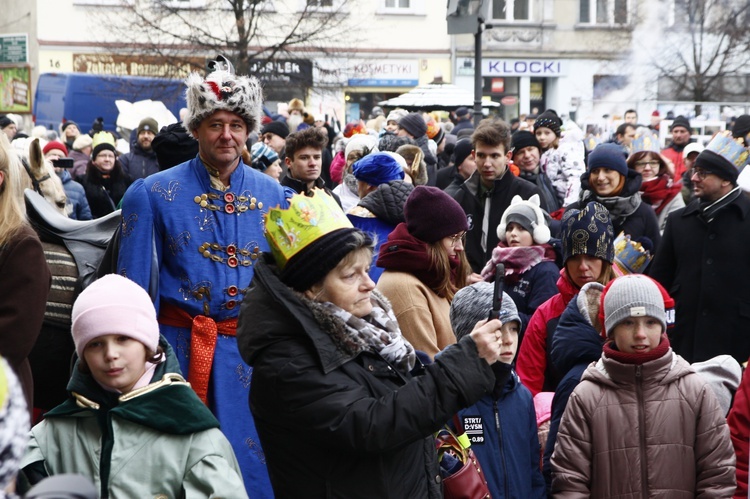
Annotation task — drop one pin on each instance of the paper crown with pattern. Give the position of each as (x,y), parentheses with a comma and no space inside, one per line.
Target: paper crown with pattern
(645,140)
(308,218)
(630,256)
(728,148)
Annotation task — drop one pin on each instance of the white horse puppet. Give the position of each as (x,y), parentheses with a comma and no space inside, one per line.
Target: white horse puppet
(39,174)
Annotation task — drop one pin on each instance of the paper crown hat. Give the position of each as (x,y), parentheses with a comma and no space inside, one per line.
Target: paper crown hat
(645,140)
(630,256)
(308,218)
(728,148)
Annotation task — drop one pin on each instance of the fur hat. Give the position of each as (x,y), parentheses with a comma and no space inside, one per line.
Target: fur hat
(148,125)
(431,214)
(414,124)
(55,144)
(682,122)
(296,105)
(222,90)
(472,304)
(82,142)
(610,156)
(549,119)
(418,170)
(114,304)
(634,295)
(588,232)
(529,215)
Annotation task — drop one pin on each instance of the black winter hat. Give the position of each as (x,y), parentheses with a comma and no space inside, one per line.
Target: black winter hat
(431,214)
(5,121)
(174,145)
(277,128)
(681,121)
(549,119)
(311,264)
(522,139)
(741,126)
(610,156)
(718,165)
(414,124)
(67,124)
(461,152)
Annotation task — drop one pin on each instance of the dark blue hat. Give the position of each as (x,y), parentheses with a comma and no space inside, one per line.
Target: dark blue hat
(588,232)
(610,156)
(378,168)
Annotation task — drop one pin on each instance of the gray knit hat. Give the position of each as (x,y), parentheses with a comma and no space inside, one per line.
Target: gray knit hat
(633,295)
(473,303)
(414,124)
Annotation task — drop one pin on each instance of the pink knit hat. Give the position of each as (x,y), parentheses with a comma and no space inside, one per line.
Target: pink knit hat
(114,305)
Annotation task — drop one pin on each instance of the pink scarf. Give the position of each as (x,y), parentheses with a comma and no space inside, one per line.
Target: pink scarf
(517,260)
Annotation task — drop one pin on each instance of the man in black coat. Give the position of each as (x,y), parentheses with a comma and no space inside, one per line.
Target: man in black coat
(488,192)
(703,261)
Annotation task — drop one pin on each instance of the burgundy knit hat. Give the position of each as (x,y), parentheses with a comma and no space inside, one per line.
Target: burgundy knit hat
(431,214)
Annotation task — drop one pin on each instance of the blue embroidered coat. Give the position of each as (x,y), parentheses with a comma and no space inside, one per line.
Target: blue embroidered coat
(204,244)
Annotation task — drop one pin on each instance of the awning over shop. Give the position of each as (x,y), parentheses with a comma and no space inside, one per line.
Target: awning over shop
(434,97)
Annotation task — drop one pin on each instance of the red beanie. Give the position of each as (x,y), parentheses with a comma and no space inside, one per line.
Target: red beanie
(55,145)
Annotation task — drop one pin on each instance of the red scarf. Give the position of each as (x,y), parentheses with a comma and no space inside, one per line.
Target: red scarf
(610,350)
(403,252)
(660,191)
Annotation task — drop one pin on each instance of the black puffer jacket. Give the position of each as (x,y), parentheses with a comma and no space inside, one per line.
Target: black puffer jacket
(342,426)
(387,202)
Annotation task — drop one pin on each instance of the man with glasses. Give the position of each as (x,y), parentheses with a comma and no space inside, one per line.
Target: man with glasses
(703,259)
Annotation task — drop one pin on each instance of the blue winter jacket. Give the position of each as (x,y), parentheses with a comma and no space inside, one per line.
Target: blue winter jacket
(575,345)
(503,434)
(80,209)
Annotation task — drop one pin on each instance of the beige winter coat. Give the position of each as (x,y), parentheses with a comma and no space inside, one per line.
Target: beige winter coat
(654,430)
(423,316)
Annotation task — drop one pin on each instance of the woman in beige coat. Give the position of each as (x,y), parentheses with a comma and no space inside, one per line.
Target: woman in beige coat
(424,266)
(641,423)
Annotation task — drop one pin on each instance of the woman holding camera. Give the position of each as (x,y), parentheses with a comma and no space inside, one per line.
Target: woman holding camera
(341,401)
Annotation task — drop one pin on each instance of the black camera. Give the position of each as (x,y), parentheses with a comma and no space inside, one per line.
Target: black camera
(62,162)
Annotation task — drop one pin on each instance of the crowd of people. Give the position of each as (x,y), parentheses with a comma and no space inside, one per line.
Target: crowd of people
(295,311)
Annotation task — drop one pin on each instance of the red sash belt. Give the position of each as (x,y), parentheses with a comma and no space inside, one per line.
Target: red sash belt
(203,333)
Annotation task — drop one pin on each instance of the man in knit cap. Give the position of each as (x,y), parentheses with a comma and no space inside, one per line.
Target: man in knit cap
(680,130)
(702,258)
(191,236)
(414,126)
(463,120)
(141,161)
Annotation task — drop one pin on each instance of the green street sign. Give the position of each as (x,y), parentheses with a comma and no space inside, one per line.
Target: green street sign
(14,49)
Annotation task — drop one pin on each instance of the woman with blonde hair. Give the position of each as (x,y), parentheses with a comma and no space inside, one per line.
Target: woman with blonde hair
(425,265)
(23,271)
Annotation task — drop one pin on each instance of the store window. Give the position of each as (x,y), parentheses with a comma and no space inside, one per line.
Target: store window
(608,12)
(511,10)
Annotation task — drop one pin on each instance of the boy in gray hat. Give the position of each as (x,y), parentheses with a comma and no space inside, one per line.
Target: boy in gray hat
(501,425)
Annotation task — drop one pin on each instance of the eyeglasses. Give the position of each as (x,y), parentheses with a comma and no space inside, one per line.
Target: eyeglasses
(701,174)
(461,236)
(644,164)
